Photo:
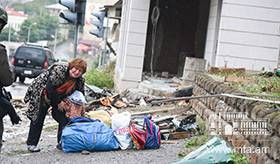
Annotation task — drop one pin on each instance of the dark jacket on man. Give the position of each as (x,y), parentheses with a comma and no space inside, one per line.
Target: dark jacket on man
(6,79)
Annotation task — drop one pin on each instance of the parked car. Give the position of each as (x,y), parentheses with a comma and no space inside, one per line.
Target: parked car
(31,60)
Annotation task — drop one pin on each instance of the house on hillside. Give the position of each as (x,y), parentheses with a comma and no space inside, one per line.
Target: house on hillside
(159,35)
(16,18)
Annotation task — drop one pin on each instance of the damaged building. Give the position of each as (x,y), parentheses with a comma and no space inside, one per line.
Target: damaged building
(185,36)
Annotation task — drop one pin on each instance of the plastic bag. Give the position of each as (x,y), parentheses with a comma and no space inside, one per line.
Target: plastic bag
(215,150)
(120,125)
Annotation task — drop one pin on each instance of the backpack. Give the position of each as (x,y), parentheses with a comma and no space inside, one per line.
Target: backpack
(87,134)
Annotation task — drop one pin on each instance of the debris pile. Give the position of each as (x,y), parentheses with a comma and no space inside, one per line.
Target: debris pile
(130,115)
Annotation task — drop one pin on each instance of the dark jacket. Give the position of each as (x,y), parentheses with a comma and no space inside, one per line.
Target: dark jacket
(52,78)
(7,76)
(6,79)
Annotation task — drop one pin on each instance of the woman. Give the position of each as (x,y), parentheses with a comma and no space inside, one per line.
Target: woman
(48,90)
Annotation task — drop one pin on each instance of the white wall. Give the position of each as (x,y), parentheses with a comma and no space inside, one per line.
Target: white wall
(212,33)
(249,34)
(132,42)
(15,21)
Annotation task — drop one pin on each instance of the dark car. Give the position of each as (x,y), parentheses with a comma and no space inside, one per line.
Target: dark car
(31,60)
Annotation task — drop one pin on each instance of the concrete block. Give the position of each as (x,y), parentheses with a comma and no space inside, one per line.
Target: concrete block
(193,67)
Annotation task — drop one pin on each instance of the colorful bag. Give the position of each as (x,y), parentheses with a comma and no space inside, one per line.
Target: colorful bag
(153,135)
(87,134)
(146,138)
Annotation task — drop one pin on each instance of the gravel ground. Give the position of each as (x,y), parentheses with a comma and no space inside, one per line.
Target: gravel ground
(14,148)
(15,152)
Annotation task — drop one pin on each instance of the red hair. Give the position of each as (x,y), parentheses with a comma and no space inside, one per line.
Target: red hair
(79,64)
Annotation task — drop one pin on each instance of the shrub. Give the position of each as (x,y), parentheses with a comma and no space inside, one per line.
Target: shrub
(99,78)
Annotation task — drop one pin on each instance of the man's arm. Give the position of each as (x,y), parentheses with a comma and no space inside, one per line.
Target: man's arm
(7,76)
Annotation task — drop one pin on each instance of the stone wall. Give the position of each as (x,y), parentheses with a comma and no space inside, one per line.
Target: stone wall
(255,111)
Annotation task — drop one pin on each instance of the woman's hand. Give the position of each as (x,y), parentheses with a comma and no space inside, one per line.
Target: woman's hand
(62,105)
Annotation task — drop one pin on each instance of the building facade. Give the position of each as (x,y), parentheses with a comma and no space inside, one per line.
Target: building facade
(15,18)
(226,33)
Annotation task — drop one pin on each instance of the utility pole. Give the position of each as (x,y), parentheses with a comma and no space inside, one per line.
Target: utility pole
(55,40)
(76,39)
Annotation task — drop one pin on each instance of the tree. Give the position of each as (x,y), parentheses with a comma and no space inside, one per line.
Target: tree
(35,7)
(4,36)
(44,29)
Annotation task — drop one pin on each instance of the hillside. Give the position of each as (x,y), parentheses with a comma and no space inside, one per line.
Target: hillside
(33,7)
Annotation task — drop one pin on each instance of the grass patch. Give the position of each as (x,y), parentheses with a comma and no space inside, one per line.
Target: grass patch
(193,143)
(101,77)
(197,141)
(201,125)
(253,83)
(238,158)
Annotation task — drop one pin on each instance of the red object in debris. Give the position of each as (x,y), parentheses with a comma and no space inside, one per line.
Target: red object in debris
(138,136)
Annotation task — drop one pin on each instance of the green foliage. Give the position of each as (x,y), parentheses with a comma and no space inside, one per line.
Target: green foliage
(44,29)
(4,36)
(238,158)
(99,78)
(201,125)
(197,141)
(110,68)
(254,83)
(261,84)
(35,7)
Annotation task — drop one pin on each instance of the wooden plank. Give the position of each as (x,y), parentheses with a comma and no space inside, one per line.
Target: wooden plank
(153,111)
(168,142)
(179,135)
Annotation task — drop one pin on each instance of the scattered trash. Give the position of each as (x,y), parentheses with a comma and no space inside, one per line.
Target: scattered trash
(142,102)
(120,125)
(85,152)
(215,150)
(184,92)
(172,128)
